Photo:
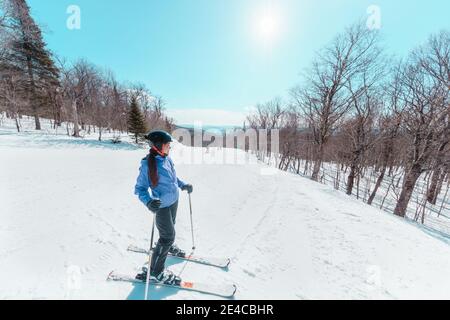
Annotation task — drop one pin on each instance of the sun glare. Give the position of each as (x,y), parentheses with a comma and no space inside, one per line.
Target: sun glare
(267,25)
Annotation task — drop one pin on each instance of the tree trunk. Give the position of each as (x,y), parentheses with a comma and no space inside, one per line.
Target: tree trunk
(377,186)
(444,201)
(305,172)
(31,95)
(76,128)
(439,187)
(433,189)
(58,116)
(357,186)
(387,154)
(391,168)
(351,178)
(317,164)
(17,123)
(408,187)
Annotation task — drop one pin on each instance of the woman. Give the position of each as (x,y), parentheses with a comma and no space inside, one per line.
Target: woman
(157,175)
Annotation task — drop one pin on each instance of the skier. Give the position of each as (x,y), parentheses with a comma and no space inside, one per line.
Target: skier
(157,175)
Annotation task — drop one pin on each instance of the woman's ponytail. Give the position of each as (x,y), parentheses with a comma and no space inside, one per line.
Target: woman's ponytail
(152,167)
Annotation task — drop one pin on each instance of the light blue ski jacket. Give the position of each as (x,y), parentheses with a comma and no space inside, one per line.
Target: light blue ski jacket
(167,188)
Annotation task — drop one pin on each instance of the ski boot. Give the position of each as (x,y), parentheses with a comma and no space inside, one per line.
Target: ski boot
(176,251)
(166,277)
(143,275)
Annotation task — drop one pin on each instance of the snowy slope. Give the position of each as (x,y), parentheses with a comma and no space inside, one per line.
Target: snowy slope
(68,214)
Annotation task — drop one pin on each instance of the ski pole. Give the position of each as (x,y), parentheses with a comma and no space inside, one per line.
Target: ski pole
(150,252)
(192,224)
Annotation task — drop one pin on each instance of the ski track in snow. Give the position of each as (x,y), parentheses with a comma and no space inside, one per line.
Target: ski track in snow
(68,215)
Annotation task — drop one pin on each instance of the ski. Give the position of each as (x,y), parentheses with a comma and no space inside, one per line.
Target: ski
(209,261)
(224,291)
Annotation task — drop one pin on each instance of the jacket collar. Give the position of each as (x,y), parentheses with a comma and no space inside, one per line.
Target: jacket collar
(163,155)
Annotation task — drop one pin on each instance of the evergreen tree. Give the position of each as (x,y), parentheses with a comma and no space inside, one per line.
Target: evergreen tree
(136,122)
(27,52)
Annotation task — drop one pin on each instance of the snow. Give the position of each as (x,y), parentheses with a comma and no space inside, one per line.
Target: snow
(68,214)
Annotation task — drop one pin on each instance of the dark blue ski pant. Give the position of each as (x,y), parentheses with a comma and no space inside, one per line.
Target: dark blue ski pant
(165,222)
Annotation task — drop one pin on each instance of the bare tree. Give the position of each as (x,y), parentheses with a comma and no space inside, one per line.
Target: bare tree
(325,98)
(82,94)
(425,115)
(366,102)
(359,130)
(119,103)
(389,126)
(434,57)
(435,60)
(143,97)
(156,116)
(79,82)
(12,96)
(362,124)
(268,116)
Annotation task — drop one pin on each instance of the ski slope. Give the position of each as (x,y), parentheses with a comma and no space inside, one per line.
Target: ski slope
(68,214)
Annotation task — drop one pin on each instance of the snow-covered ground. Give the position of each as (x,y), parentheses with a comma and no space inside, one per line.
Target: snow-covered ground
(68,214)
(436,218)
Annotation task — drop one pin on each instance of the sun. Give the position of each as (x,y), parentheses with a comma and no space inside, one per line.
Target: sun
(267,25)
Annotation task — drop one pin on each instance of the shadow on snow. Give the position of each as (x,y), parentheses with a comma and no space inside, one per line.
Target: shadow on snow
(161,293)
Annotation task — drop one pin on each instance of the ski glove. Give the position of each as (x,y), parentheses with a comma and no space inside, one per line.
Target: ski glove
(188,187)
(154,205)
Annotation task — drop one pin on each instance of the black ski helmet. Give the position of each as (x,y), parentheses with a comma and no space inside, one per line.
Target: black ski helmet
(158,137)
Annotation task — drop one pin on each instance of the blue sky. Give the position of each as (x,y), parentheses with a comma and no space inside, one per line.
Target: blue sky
(227,55)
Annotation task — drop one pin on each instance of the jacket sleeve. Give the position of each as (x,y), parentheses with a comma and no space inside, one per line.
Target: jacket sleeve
(143,185)
(181,183)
